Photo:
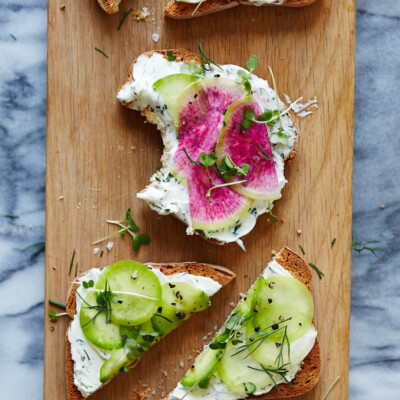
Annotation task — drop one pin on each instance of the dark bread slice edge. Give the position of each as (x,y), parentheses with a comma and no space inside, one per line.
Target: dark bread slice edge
(181,10)
(310,370)
(220,274)
(187,56)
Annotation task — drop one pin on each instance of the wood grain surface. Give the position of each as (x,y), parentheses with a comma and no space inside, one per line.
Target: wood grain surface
(99,155)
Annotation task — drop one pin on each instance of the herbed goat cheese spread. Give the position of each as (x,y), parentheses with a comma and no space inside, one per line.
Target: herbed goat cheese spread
(216,390)
(165,194)
(88,359)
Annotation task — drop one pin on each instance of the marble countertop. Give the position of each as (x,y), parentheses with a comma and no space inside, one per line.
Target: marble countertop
(375,316)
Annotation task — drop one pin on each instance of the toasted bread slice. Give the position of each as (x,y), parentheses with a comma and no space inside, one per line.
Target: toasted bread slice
(186,56)
(181,10)
(109,6)
(310,369)
(219,274)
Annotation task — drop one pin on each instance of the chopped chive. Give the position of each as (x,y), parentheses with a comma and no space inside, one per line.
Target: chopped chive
(72,262)
(101,51)
(76,270)
(87,355)
(319,272)
(302,250)
(333,242)
(13,36)
(101,254)
(126,13)
(57,303)
(10,216)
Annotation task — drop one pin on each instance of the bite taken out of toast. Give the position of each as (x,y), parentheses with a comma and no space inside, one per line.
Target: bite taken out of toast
(119,312)
(227,140)
(268,347)
(192,9)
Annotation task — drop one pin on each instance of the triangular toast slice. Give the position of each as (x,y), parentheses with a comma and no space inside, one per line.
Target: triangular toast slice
(249,359)
(85,360)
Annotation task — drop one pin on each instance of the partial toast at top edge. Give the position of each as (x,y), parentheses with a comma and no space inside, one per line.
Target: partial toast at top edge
(308,375)
(181,10)
(109,6)
(220,274)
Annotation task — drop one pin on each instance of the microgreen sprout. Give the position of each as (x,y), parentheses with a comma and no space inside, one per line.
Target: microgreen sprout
(54,316)
(208,195)
(319,272)
(88,285)
(330,388)
(272,217)
(126,13)
(138,239)
(197,7)
(243,76)
(206,61)
(229,169)
(171,56)
(359,246)
(263,153)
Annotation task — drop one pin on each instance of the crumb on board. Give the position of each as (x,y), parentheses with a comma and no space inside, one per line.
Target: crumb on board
(110,245)
(155,37)
(96,250)
(298,231)
(273,253)
(62,7)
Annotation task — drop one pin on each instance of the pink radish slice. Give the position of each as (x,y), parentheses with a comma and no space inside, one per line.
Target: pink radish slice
(249,146)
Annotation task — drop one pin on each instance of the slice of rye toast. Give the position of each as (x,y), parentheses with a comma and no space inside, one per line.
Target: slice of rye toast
(187,56)
(220,274)
(181,10)
(310,369)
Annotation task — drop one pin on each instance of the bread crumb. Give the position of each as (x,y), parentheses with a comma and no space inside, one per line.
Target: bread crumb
(382,206)
(54,267)
(181,364)
(155,37)
(96,250)
(189,358)
(165,373)
(298,231)
(61,197)
(110,245)
(232,304)
(273,253)
(62,7)
(205,337)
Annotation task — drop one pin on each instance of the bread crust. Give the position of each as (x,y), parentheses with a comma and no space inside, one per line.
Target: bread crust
(187,56)
(220,274)
(109,6)
(181,10)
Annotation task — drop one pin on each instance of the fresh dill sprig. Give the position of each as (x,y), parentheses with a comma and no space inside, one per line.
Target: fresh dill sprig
(102,52)
(319,272)
(281,371)
(359,246)
(103,304)
(138,239)
(126,13)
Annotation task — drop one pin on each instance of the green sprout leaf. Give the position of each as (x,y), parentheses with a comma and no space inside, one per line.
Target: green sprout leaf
(53,315)
(171,56)
(208,160)
(229,169)
(279,138)
(138,239)
(252,63)
(206,61)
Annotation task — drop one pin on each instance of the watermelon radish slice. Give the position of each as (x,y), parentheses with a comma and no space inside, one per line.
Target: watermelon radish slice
(252,147)
(202,107)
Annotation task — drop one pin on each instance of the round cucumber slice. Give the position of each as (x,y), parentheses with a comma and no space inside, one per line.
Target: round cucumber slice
(111,367)
(94,326)
(239,371)
(136,292)
(283,298)
(179,301)
(204,366)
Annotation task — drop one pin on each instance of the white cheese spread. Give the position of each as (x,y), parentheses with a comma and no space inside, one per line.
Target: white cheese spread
(218,391)
(165,194)
(88,359)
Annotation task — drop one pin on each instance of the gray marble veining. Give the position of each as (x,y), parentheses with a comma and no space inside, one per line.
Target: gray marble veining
(375,317)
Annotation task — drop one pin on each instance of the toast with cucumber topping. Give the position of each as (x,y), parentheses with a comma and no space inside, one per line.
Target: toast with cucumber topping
(196,8)
(119,312)
(268,347)
(227,138)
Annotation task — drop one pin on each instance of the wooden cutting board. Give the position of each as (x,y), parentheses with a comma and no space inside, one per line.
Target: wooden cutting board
(99,155)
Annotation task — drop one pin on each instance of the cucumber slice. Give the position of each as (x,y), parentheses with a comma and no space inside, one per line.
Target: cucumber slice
(170,88)
(94,326)
(203,368)
(179,301)
(131,277)
(280,298)
(234,371)
(112,366)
